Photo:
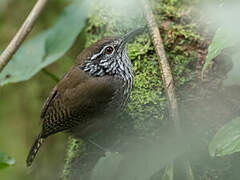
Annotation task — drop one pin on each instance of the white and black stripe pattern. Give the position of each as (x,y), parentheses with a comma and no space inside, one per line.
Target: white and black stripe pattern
(117,65)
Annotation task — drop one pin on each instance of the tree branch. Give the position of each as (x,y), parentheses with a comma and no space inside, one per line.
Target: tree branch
(164,65)
(166,76)
(21,35)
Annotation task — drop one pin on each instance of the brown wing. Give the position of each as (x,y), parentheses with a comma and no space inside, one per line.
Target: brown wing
(49,100)
(76,100)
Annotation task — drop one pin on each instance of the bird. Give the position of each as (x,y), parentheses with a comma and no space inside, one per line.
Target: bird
(94,90)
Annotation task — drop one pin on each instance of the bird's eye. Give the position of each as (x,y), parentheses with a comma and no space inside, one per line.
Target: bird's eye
(108,50)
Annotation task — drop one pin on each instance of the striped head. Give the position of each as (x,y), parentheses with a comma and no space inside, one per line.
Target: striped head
(108,57)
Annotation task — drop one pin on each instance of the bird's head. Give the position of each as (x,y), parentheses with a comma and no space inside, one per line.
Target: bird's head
(107,56)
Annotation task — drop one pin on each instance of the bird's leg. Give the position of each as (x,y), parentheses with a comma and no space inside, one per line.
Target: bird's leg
(97,145)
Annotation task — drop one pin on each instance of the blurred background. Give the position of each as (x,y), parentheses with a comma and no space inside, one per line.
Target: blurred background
(21,103)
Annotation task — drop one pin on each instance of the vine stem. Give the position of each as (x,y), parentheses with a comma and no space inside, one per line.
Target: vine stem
(21,35)
(51,75)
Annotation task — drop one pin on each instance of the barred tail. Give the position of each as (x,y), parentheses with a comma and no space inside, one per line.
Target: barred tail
(33,151)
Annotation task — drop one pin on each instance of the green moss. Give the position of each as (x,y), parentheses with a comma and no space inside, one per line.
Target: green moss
(76,147)
(180,38)
(147,100)
(181,42)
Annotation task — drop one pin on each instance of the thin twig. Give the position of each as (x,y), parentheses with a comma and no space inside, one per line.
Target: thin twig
(166,76)
(163,64)
(21,35)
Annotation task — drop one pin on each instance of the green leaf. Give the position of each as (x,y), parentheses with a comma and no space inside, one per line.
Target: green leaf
(227,139)
(5,160)
(63,34)
(48,46)
(221,40)
(141,162)
(26,63)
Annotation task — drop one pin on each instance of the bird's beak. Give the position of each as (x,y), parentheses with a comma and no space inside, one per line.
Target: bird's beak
(125,39)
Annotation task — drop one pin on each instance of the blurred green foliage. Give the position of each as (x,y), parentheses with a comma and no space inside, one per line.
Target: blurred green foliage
(221,41)
(5,160)
(227,139)
(141,162)
(48,46)
(20,104)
